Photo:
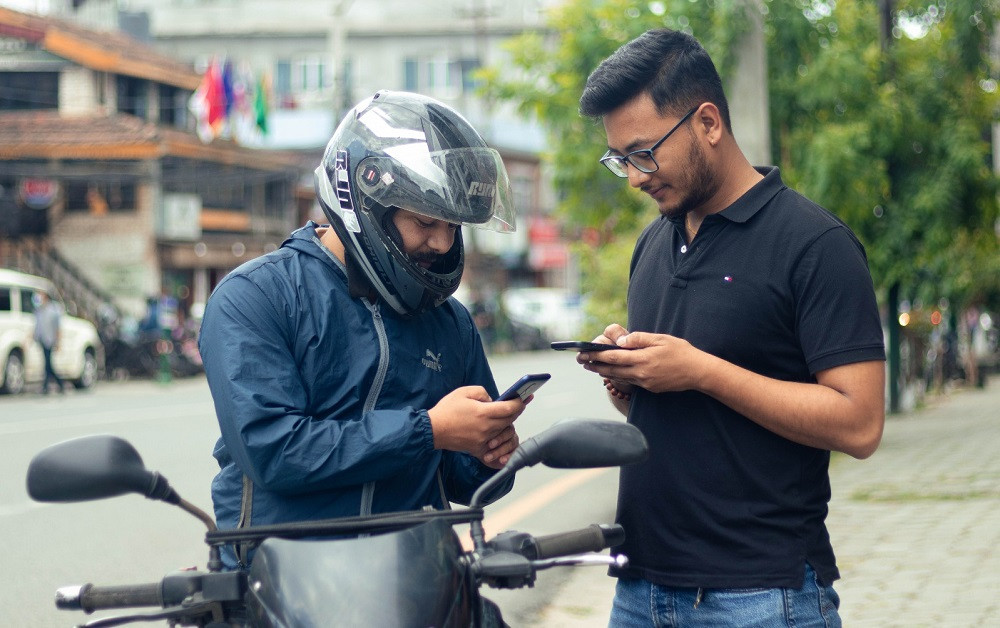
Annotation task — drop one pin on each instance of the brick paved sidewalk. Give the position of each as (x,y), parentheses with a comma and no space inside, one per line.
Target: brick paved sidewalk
(916,527)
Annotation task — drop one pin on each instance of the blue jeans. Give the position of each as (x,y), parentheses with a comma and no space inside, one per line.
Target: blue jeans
(641,603)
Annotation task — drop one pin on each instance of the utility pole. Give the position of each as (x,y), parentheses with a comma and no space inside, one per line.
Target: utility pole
(335,41)
(885,12)
(749,106)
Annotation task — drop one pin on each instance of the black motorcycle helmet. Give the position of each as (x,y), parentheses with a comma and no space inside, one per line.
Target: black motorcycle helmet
(403,150)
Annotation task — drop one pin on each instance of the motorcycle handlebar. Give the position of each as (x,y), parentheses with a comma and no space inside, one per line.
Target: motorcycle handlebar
(593,538)
(89,598)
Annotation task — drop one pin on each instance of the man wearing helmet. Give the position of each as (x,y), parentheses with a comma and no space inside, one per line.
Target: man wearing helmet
(346,379)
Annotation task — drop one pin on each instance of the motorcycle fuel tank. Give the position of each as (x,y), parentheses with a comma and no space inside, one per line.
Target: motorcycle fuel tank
(412,577)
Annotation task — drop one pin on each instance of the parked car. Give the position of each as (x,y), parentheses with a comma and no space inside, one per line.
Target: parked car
(556,313)
(79,358)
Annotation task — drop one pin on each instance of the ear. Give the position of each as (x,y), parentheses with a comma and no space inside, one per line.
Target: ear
(708,123)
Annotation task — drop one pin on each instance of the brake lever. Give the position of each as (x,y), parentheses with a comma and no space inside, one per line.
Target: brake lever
(175,612)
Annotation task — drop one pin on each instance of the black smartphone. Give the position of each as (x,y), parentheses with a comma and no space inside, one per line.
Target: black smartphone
(580,345)
(524,387)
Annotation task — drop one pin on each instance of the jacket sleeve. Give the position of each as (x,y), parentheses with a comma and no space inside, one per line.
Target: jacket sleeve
(463,473)
(261,403)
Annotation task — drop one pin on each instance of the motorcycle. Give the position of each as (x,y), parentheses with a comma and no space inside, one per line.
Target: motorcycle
(392,569)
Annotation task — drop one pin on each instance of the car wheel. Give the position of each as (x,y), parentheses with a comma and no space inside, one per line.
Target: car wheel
(88,376)
(13,374)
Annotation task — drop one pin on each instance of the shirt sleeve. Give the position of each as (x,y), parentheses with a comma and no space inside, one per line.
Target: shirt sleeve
(836,310)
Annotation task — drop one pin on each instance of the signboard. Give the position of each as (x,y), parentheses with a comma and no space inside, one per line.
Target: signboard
(38,193)
(180,218)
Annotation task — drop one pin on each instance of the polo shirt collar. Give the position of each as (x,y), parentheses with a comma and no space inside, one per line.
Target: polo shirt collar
(753,200)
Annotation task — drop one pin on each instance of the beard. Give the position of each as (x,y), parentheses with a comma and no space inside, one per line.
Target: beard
(700,181)
(424,257)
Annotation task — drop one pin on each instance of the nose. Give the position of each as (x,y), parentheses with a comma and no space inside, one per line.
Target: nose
(636,177)
(441,238)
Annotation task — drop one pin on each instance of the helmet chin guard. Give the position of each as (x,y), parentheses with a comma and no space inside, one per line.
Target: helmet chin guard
(401,150)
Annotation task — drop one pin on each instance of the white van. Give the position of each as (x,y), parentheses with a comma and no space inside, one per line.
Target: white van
(79,358)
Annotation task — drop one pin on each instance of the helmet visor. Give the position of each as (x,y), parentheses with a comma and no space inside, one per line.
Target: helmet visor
(467,186)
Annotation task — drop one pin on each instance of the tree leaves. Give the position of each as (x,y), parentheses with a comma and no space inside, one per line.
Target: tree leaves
(892,136)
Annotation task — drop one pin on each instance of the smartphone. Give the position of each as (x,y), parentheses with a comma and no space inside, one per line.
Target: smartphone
(524,387)
(580,345)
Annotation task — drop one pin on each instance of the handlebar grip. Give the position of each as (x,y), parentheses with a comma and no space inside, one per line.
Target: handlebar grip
(90,598)
(593,538)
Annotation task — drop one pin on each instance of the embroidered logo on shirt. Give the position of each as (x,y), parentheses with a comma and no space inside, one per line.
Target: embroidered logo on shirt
(432,361)
(728,279)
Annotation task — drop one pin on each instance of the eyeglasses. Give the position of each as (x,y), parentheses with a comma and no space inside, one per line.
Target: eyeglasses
(642,160)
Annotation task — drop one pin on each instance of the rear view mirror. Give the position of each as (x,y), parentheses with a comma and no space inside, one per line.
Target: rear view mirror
(88,468)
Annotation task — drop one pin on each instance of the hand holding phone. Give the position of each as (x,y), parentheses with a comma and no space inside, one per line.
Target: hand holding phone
(524,387)
(580,345)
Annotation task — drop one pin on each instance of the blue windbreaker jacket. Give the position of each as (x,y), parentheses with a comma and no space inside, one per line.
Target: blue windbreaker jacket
(321,398)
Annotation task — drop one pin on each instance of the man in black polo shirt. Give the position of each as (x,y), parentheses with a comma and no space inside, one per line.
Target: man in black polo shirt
(756,349)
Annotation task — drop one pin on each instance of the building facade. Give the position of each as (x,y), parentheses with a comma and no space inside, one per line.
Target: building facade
(104,181)
(322,56)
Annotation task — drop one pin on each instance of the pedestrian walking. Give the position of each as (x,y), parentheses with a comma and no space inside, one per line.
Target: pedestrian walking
(48,316)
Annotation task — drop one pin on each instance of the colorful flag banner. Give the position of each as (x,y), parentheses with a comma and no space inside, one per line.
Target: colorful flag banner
(230,103)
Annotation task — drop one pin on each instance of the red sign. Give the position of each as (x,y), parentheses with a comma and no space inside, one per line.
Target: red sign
(543,230)
(38,193)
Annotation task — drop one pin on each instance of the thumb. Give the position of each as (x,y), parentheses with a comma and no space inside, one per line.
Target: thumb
(635,340)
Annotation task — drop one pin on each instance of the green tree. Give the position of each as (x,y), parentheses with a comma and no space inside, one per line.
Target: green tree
(893,138)
(893,134)
(548,75)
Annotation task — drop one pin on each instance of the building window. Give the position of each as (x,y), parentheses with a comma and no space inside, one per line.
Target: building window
(283,84)
(468,67)
(173,106)
(29,90)
(298,77)
(309,75)
(410,83)
(132,96)
(276,194)
(100,197)
(523,189)
(231,194)
(439,76)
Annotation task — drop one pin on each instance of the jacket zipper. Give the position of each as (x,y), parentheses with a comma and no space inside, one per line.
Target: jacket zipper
(368,492)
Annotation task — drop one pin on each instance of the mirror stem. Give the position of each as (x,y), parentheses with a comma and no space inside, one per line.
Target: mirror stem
(198,512)
(214,557)
(476,526)
(477,534)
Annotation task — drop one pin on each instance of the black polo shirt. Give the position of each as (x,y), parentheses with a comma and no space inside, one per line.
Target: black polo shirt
(780,286)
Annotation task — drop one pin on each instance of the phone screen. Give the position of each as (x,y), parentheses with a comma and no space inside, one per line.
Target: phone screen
(524,387)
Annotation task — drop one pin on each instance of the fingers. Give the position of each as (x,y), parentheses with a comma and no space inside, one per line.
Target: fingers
(468,420)
(612,331)
(621,390)
(500,447)
(477,393)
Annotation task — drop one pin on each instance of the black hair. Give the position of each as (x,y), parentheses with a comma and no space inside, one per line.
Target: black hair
(670,65)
